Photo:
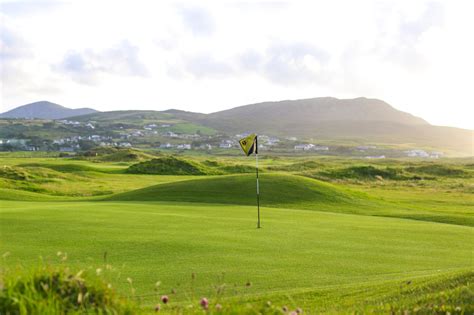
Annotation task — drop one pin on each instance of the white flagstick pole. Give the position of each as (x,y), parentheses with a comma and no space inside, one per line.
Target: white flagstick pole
(258,190)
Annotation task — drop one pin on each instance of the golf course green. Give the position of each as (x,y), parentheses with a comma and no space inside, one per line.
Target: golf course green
(323,246)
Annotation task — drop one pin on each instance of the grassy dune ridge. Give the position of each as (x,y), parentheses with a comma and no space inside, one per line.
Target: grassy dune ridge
(277,189)
(335,244)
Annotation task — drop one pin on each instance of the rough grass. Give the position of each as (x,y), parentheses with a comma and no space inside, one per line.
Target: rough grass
(364,172)
(63,168)
(70,179)
(125,156)
(171,165)
(167,166)
(57,290)
(438,170)
(15,194)
(297,167)
(14,173)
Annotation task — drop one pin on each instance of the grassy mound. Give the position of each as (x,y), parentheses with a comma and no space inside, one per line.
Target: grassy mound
(227,168)
(167,166)
(297,167)
(275,190)
(364,172)
(14,173)
(63,168)
(58,291)
(127,155)
(438,170)
(114,154)
(171,165)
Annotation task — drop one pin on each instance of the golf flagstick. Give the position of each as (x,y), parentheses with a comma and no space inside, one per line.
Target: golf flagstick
(258,190)
(249,145)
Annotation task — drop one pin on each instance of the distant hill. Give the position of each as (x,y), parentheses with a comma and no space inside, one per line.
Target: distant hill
(359,120)
(45,110)
(327,118)
(129,116)
(303,116)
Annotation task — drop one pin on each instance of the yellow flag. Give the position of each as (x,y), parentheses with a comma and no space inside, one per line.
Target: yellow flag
(249,144)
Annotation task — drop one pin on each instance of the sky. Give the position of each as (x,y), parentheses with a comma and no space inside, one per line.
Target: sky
(207,56)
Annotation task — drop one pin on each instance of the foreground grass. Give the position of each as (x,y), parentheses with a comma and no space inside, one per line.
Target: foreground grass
(59,290)
(296,252)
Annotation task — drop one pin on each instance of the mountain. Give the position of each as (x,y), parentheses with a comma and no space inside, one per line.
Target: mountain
(358,120)
(45,110)
(307,115)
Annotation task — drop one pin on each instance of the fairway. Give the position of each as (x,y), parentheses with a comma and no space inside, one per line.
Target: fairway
(296,251)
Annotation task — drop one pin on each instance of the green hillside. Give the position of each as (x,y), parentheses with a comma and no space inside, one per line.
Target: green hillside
(286,114)
(326,119)
(123,115)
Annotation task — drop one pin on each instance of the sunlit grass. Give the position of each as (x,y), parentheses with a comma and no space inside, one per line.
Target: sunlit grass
(364,244)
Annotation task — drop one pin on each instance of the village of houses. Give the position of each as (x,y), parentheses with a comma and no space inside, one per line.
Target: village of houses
(170,140)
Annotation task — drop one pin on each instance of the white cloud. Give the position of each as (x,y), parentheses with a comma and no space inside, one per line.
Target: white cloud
(86,66)
(417,55)
(198,20)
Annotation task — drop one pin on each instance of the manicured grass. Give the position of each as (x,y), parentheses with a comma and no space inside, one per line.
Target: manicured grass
(297,192)
(276,190)
(295,252)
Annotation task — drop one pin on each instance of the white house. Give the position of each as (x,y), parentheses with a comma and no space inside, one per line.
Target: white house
(225,145)
(166,146)
(304,147)
(321,148)
(184,146)
(16,141)
(436,155)
(205,146)
(272,141)
(66,149)
(375,157)
(366,147)
(417,153)
(171,134)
